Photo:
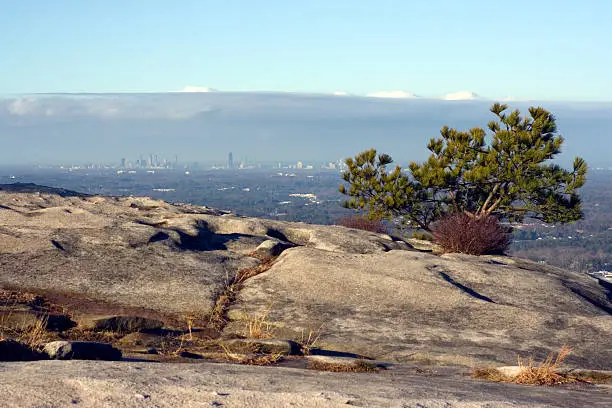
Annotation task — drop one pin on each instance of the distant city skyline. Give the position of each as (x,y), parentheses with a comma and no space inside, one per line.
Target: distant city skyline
(527,50)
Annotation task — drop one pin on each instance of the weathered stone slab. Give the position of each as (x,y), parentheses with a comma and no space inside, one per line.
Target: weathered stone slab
(405,306)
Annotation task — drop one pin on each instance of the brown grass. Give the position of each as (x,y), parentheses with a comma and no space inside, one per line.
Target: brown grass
(32,335)
(490,374)
(218,316)
(259,327)
(80,334)
(35,335)
(593,377)
(360,366)
(545,373)
(309,341)
(252,359)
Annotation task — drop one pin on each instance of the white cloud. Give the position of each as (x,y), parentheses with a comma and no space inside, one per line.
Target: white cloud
(461,96)
(198,89)
(22,106)
(392,94)
(340,93)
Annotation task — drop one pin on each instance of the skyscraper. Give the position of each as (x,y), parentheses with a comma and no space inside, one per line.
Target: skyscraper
(230,161)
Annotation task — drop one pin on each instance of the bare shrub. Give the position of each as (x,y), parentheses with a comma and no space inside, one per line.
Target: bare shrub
(471,235)
(363,223)
(545,373)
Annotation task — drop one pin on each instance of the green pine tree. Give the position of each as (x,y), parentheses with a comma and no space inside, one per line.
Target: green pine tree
(507,174)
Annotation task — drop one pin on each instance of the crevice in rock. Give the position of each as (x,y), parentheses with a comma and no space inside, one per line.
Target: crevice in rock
(583,294)
(274,233)
(159,236)
(464,288)
(58,245)
(218,318)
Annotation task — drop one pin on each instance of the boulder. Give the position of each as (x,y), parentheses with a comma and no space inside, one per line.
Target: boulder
(11,350)
(81,350)
(126,324)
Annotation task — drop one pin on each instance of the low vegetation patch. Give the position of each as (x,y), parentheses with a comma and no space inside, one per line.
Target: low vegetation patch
(252,359)
(471,235)
(309,341)
(218,316)
(363,223)
(359,366)
(545,373)
(259,327)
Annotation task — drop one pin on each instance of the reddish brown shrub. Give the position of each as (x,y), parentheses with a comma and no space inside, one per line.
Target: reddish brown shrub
(471,235)
(363,223)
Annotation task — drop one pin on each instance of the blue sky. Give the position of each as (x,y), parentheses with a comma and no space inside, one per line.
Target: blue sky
(537,49)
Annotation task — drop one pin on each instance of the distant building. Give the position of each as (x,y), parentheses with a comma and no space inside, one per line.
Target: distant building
(123,163)
(230,161)
(300,165)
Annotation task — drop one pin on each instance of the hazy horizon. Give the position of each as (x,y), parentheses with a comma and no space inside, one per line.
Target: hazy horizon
(205,126)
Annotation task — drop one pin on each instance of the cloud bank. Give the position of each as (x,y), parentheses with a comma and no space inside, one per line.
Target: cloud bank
(204,126)
(461,96)
(392,94)
(191,89)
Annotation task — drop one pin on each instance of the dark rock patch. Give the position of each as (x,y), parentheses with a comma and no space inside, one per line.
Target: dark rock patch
(126,324)
(11,350)
(263,346)
(59,323)
(81,350)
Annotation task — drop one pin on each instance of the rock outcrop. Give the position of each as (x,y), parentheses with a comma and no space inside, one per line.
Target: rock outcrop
(351,291)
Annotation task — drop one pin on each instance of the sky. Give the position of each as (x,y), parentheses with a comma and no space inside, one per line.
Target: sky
(522,50)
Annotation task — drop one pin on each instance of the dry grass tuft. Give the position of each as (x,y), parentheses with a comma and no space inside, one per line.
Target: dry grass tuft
(35,335)
(546,372)
(80,334)
(490,374)
(360,366)
(32,335)
(310,341)
(259,327)
(252,359)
